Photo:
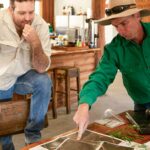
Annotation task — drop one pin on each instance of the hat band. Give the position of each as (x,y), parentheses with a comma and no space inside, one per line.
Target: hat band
(119,9)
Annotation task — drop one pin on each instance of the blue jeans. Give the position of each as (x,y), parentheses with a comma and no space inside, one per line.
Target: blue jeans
(39,85)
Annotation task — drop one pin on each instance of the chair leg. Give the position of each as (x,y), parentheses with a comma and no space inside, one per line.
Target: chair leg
(1,147)
(54,111)
(78,83)
(54,98)
(67,88)
(54,105)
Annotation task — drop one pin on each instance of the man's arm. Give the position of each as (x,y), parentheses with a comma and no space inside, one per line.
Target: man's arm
(39,59)
(81,118)
(96,86)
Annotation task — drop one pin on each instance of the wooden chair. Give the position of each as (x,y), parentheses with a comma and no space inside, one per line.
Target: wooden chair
(66,73)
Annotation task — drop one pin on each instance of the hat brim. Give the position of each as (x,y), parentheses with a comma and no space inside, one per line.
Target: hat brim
(107,20)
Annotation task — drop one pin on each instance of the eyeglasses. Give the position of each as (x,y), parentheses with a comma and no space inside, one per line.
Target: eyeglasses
(118,9)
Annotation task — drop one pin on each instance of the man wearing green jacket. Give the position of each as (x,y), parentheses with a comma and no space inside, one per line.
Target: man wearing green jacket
(129,52)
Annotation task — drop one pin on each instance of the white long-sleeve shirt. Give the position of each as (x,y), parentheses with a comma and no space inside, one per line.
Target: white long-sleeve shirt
(15,52)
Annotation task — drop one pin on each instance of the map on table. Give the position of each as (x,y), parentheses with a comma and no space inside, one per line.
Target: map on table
(90,141)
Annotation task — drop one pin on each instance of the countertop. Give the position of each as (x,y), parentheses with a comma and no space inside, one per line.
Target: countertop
(62,51)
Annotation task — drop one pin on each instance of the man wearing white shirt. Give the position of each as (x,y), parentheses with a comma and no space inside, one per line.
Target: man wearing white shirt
(24,60)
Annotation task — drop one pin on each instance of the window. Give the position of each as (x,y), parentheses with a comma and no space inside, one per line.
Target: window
(37,5)
(5,3)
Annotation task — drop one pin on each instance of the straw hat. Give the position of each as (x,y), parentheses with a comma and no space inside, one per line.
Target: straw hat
(121,8)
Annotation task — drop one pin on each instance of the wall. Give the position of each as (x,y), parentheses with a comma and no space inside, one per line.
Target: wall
(84,4)
(110,33)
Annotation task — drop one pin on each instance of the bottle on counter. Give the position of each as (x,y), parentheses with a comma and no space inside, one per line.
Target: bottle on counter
(50,29)
(65,40)
(72,10)
(83,44)
(64,10)
(78,42)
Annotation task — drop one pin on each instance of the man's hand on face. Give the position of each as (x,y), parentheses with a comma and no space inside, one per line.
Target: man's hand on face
(30,34)
(81,118)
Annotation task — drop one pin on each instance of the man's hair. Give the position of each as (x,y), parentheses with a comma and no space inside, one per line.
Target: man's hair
(13,1)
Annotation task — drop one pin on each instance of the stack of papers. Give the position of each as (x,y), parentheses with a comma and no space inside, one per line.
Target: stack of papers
(110,122)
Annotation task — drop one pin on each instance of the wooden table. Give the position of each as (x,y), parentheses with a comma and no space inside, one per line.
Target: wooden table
(102,129)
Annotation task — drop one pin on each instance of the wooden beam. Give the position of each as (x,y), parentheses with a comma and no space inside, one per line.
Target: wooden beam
(48,11)
(98,7)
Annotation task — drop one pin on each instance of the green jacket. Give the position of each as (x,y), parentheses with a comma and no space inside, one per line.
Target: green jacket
(132,60)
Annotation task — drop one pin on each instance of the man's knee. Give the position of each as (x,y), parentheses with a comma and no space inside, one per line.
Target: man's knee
(43,86)
(44,81)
